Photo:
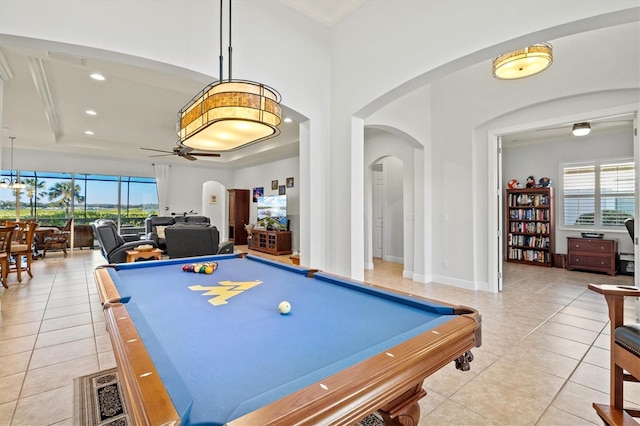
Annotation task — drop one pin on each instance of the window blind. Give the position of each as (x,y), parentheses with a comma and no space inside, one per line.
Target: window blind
(579,195)
(598,195)
(617,185)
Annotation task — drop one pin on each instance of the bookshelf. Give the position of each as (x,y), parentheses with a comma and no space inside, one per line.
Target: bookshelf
(530,226)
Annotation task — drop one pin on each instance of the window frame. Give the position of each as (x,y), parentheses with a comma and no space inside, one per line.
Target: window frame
(598,195)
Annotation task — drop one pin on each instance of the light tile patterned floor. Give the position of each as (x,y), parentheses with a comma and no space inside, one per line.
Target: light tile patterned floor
(543,361)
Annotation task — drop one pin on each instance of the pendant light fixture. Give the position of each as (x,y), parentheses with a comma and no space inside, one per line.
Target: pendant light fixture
(229,114)
(10,183)
(524,62)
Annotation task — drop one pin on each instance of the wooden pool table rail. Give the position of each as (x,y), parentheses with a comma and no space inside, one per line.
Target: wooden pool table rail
(146,397)
(390,382)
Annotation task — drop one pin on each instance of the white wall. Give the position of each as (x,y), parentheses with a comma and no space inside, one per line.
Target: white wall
(465,113)
(429,40)
(215,207)
(393,215)
(261,176)
(543,158)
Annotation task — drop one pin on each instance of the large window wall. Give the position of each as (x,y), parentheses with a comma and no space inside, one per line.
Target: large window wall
(53,198)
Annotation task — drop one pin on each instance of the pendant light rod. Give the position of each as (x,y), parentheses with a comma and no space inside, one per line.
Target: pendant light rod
(230,49)
(220,58)
(12,138)
(229,114)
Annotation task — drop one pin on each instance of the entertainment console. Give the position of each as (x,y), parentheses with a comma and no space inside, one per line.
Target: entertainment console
(272,242)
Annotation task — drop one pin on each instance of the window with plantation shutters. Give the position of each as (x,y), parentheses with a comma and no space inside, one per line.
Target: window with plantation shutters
(617,186)
(598,195)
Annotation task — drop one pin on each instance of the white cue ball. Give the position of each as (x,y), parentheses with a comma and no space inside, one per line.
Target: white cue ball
(284,307)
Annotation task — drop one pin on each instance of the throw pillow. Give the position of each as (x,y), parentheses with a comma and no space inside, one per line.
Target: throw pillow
(160,232)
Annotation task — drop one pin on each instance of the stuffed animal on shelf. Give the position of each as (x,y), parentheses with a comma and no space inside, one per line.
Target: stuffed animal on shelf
(544,182)
(531,182)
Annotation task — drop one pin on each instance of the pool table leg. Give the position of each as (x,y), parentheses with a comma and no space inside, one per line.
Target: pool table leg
(404,411)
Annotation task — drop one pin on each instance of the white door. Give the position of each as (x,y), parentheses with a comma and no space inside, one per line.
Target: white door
(378,210)
(636,248)
(500,216)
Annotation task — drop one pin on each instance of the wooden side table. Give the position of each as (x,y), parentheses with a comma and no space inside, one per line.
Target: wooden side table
(133,255)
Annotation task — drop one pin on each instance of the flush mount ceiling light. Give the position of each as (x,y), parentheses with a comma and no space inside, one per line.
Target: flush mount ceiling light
(229,114)
(581,129)
(10,182)
(524,62)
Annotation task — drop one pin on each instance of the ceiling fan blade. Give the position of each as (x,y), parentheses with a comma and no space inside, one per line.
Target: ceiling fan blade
(188,157)
(157,150)
(160,155)
(205,154)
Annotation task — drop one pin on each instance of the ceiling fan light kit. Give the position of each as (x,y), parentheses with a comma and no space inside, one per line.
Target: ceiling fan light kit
(229,114)
(523,63)
(581,129)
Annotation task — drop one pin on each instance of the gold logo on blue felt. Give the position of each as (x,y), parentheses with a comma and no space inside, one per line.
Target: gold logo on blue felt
(226,290)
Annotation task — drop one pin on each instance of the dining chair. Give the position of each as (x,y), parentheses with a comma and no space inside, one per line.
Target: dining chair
(22,247)
(58,239)
(6,234)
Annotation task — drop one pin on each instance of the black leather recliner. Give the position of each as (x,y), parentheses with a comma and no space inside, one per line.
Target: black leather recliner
(112,245)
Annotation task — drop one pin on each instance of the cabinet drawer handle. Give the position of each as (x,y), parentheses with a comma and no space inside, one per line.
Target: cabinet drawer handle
(577,260)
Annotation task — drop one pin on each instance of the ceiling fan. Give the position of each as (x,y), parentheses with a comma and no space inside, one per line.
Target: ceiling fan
(182,151)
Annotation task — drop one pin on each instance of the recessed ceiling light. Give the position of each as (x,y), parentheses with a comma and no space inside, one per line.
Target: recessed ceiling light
(97,76)
(288,120)
(91,112)
(88,132)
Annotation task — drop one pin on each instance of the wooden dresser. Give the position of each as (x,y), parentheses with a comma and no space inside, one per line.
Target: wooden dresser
(595,254)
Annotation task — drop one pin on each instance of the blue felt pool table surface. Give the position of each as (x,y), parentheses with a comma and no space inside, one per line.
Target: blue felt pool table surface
(223,349)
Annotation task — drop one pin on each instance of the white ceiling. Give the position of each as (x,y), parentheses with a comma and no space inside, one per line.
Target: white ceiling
(327,12)
(563,131)
(46,93)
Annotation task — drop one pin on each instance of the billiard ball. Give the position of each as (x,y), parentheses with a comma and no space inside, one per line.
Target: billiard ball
(284,307)
(208,269)
(185,268)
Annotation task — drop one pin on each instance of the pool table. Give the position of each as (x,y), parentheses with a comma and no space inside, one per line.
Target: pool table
(214,349)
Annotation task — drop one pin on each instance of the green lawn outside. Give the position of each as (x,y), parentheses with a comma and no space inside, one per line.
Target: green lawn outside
(57,216)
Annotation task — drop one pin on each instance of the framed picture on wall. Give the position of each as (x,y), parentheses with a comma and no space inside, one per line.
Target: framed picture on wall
(290,182)
(213,198)
(257,192)
(281,190)
(274,184)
